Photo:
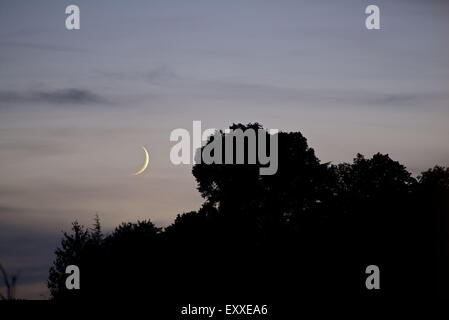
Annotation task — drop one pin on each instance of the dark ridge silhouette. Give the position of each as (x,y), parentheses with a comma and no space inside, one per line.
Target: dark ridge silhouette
(310,230)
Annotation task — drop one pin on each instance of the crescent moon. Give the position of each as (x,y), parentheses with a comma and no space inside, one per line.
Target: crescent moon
(145,165)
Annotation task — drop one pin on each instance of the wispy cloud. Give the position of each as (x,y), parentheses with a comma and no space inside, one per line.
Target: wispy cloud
(40,46)
(405,99)
(159,74)
(325,96)
(156,75)
(75,96)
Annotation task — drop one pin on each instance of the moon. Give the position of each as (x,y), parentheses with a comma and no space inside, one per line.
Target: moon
(145,165)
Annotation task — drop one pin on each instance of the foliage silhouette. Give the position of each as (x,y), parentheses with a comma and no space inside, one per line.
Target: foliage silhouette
(311,229)
(10,284)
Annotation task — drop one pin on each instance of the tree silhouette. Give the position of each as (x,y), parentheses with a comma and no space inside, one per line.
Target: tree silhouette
(312,228)
(74,248)
(432,193)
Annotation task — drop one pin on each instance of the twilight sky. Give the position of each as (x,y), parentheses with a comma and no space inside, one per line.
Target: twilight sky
(75,106)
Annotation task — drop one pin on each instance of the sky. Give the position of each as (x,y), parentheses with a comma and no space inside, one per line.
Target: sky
(76,106)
